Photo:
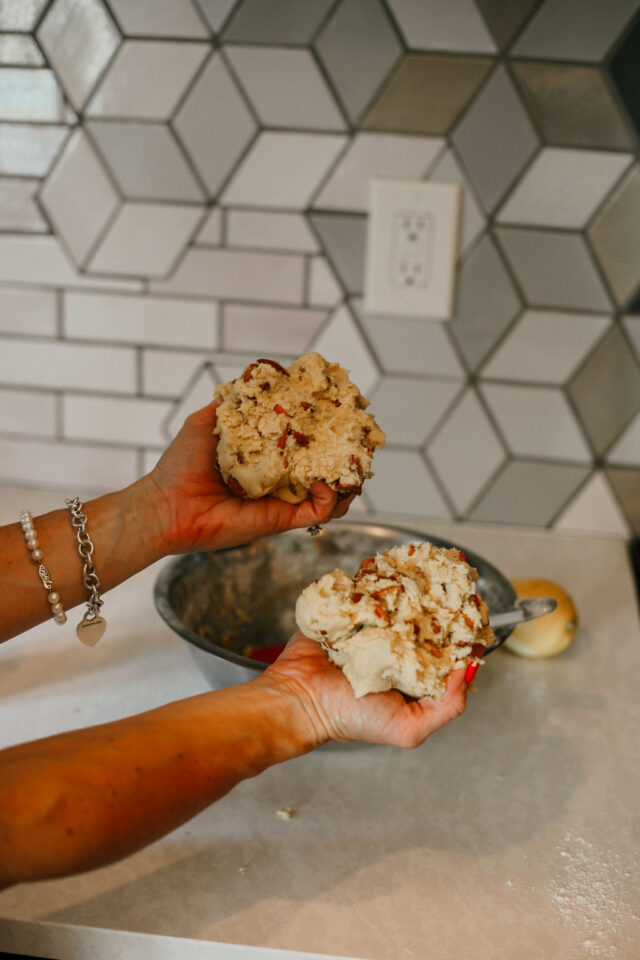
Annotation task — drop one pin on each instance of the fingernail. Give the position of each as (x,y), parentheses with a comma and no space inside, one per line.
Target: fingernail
(470,672)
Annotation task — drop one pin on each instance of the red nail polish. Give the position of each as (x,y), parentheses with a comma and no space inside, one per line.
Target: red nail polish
(470,672)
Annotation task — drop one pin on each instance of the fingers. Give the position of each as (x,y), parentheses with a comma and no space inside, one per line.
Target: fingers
(452,704)
(343,505)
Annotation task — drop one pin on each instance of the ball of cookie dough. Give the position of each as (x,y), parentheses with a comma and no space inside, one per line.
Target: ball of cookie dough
(549,635)
(407,618)
(281,429)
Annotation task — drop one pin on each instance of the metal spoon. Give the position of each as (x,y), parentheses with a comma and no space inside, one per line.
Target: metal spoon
(527,608)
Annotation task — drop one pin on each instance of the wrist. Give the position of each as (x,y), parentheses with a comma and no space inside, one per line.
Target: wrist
(151,514)
(304,729)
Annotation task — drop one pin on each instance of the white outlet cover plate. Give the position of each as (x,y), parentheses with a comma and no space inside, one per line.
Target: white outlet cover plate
(412,246)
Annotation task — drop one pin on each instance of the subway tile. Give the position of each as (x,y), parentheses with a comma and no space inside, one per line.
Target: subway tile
(626,450)
(632,326)
(22,412)
(558,31)
(546,346)
(41,261)
(71,466)
(29,150)
(32,362)
(270,230)
(19,51)
(427,93)
(145,239)
(30,95)
(27,311)
(264,329)
(615,238)
(159,18)
(431,25)
(20,14)
(473,221)
(197,396)
(340,341)
(465,451)
(145,161)
(114,419)
(623,69)
(594,510)
(286,88)
(495,139)
(143,320)
(506,19)
(323,287)
(343,237)
(402,484)
(358,47)
(214,124)
(215,12)
(283,169)
(373,155)
(18,210)
(211,230)
(554,269)
(237,275)
(408,409)
(529,492)
(281,21)
(167,373)
(146,79)
(536,422)
(79,197)
(79,55)
(407,345)
(626,486)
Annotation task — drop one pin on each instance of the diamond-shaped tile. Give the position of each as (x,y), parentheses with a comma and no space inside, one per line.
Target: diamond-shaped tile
(343,237)
(375,155)
(563,188)
(615,238)
(159,18)
(402,484)
(594,509)
(18,211)
(215,12)
(505,19)
(358,47)
(78,55)
(487,302)
(623,68)
(198,394)
(286,88)
(214,124)
(29,150)
(448,170)
(21,15)
(432,25)
(408,408)
(626,486)
(495,139)
(554,269)
(279,21)
(632,326)
(427,93)
(558,31)
(606,390)
(529,492)
(340,341)
(210,233)
(626,451)
(323,287)
(465,451)
(30,95)
(405,345)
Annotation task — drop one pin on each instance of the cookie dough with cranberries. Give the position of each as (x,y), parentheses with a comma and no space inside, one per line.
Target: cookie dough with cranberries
(281,429)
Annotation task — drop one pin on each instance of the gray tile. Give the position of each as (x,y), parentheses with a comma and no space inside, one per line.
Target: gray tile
(18,210)
(473,220)
(433,25)
(358,47)
(145,160)
(632,326)
(215,12)
(29,150)
(408,408)
(343,237)
(279,21)
(406,345)
(529,492)
(626,450)
(79,38)
(19,51)
(554,269)
(30,95)
(505,19)
(606,390)
(159,18)
(615,238)
(427,94)
(20,14)
(560,30)
(487,302)
(626,485)
(495,139)
(572,105)
(402,484)
(214,124)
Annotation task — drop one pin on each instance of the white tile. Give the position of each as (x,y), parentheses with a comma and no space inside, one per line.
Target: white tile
(594,510)
(324,289)
(237,275)
(259,230)
(27,94)
(211,230)
(167,373)
(55,364)
(144,320)
(79,197)
(41,261)
(403,484)
(199,394)
(283,169)
(159,18)
(27,413)
(29,150)
(267,329)
(546,346)
(17,50)
(472,221)
(71,466)
(340,341)
(20,14)
(18,210)
(563,188)
(433,25)
(465,451)
(146,79)
(537,422)
(408,409)
(145,239)
(375,155)
(29,312)
(114,419)
(626,450)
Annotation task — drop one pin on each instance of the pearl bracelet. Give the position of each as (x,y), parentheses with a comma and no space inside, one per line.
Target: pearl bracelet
(57,610)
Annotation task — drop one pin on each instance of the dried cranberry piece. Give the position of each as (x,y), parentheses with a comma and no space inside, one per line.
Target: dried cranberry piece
(301,438)
(476,600)
(304,404)
(356,597)
(265,386)
(336,403)
(468,621)
(462,556)
(412,549)
(477,650)
(236,487)
(246,376)
(282,439)
(279,409)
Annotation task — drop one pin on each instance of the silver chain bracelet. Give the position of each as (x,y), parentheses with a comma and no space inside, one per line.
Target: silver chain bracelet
(92,626)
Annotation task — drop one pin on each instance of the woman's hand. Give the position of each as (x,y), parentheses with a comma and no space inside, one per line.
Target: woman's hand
(332,711)
(197,511)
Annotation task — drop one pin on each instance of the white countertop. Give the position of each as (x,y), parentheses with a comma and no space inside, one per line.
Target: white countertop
(513,832)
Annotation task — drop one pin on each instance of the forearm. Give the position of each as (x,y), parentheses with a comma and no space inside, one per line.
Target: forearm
(83,799)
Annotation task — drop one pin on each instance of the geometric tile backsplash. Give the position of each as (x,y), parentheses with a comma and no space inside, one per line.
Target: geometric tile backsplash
(183,186)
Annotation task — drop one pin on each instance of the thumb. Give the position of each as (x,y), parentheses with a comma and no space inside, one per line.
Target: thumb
(319,509)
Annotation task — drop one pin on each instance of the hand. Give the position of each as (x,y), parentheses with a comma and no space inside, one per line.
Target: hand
(333,712)
(196,509)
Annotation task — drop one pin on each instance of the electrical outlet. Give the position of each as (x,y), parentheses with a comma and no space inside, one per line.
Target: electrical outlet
(411,249)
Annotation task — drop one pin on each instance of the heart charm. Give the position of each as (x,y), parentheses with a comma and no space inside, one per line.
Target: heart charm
(90,630)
